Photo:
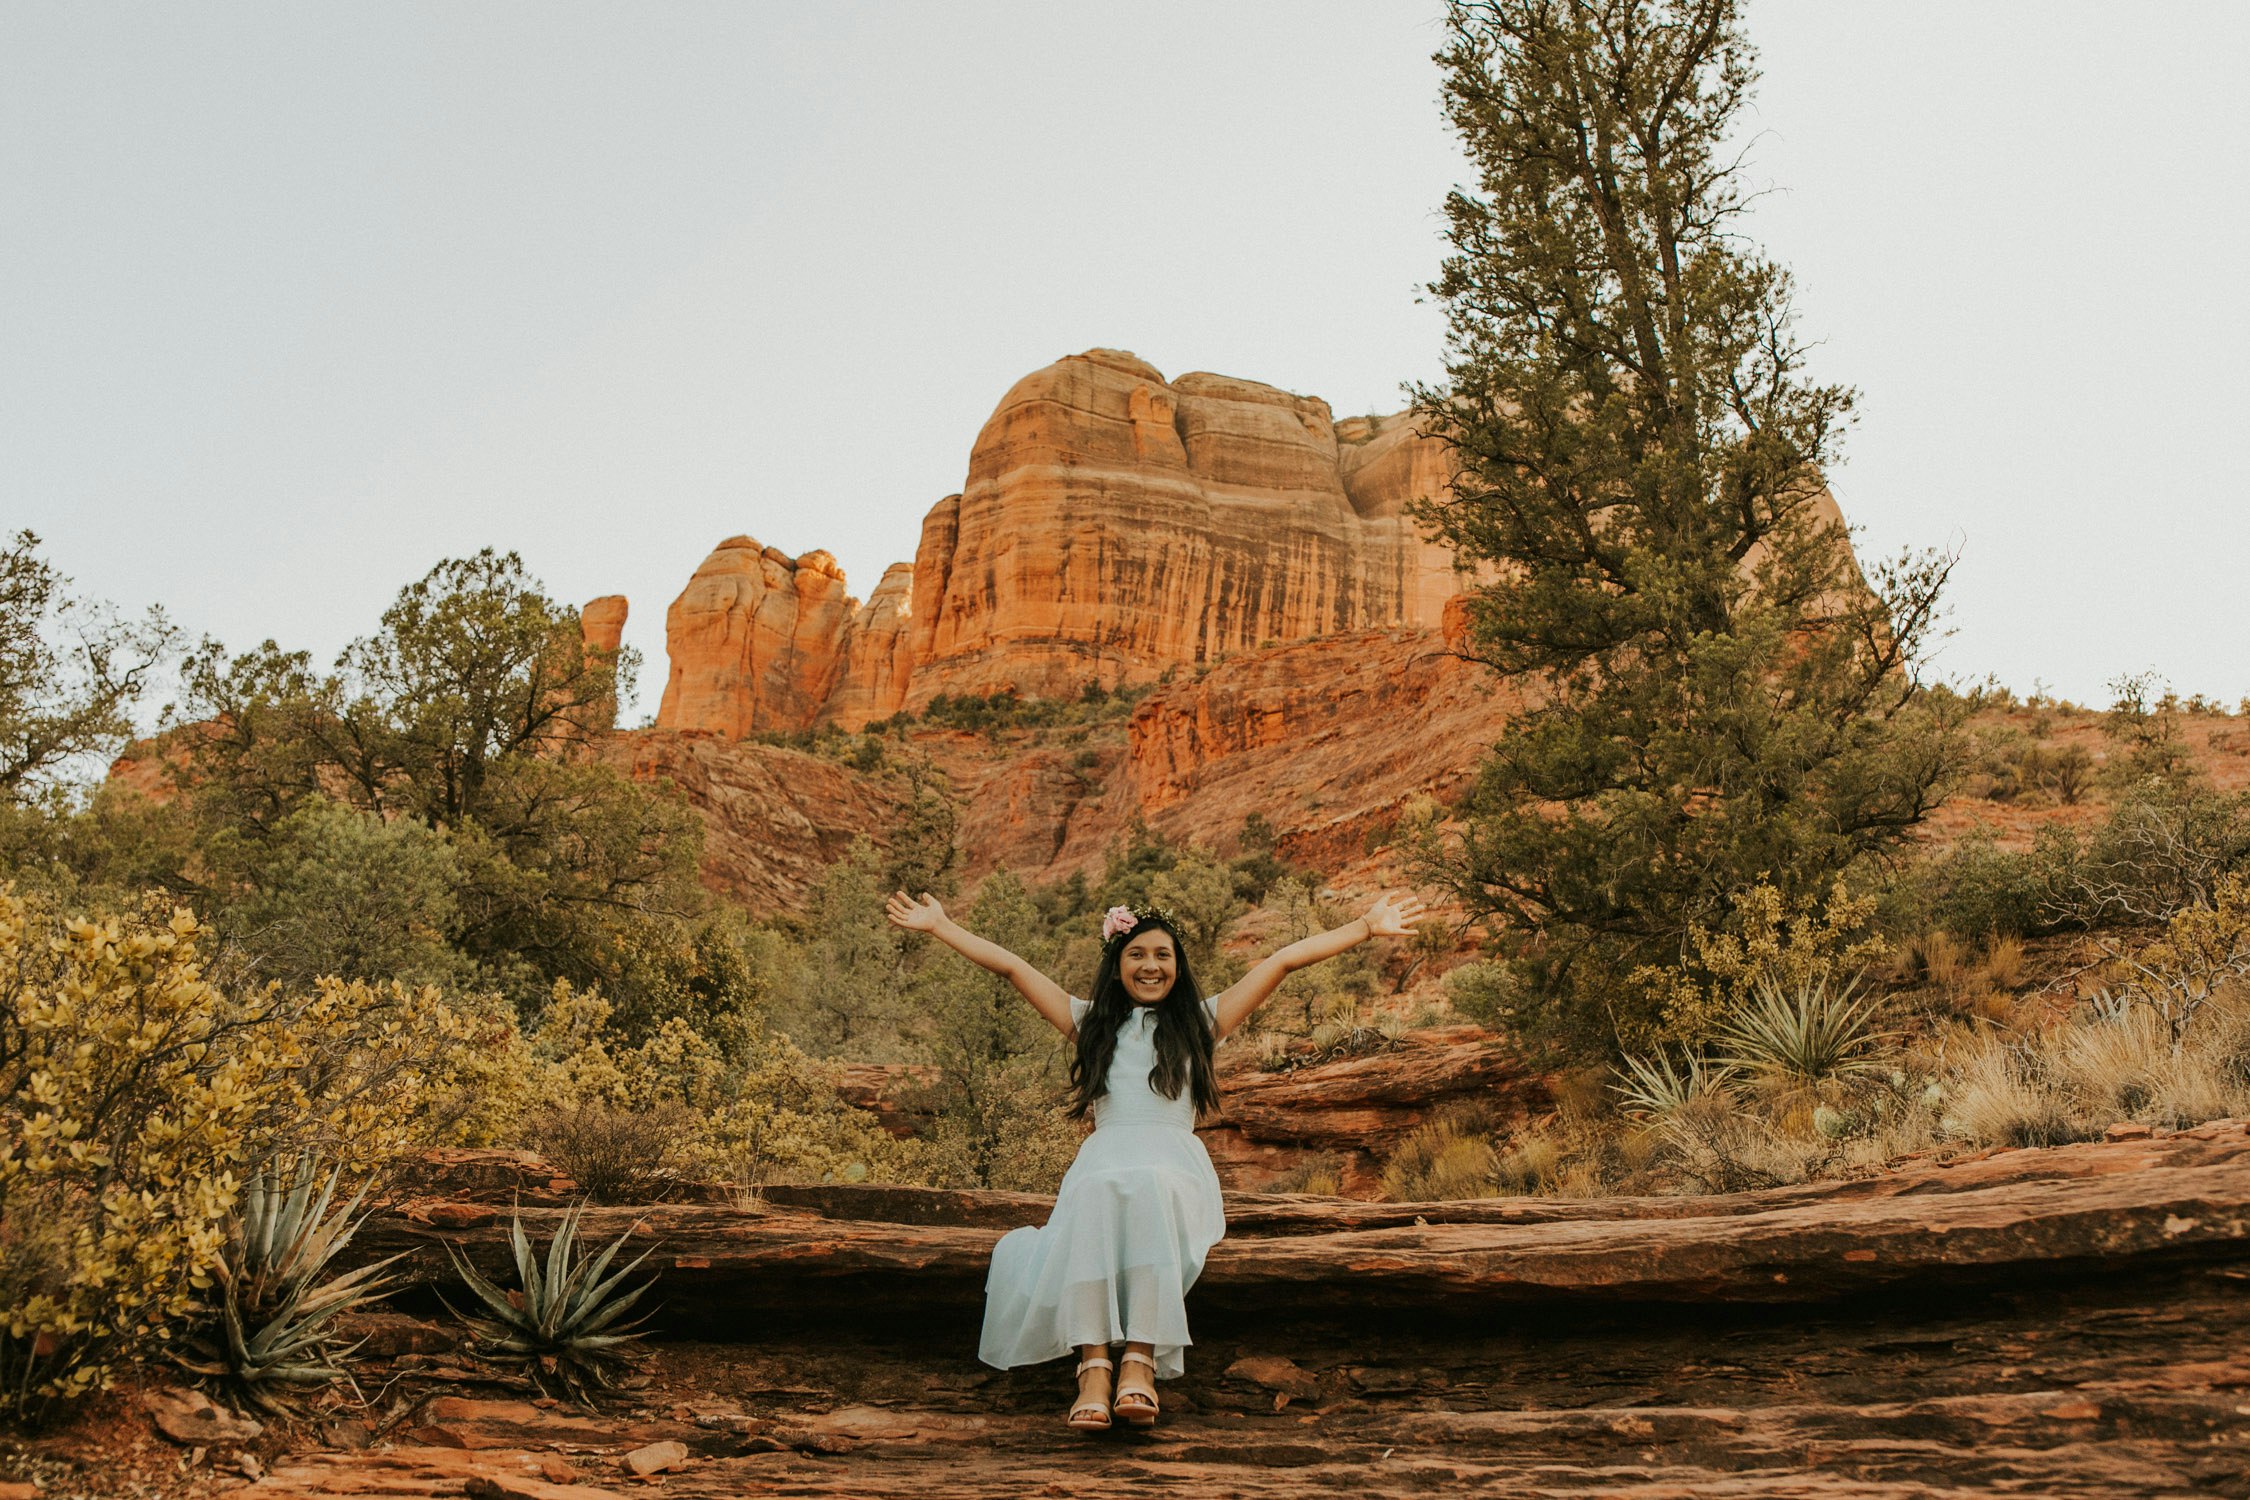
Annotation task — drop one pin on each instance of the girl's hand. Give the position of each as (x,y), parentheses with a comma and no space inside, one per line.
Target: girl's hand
(1393,916)
(915,916)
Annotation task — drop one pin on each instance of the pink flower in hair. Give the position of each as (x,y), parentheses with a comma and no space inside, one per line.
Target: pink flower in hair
(1116,920)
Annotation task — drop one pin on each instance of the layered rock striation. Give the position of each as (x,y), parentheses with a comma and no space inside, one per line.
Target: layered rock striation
(1113,524)
(2065,1322)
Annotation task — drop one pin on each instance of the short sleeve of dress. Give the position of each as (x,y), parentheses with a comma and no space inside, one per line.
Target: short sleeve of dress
(1078,1009)
(1211,1008)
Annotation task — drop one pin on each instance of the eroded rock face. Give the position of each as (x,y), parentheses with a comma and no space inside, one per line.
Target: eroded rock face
(601,625)
(602,622)
(775,819)
(1113,524)
(875,656)
(754,640)
(1327,740)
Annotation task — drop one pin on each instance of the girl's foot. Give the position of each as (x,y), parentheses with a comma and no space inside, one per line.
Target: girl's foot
(1091,1414)
(1136,1399)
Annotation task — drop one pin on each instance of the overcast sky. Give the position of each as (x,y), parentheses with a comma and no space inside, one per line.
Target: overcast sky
(297,299)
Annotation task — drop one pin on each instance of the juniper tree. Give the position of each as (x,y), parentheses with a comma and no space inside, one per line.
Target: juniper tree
(71,673)
(1712,688)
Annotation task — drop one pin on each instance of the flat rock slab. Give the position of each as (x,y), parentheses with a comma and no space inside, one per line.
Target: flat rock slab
(2116,1389)
(2109,1204)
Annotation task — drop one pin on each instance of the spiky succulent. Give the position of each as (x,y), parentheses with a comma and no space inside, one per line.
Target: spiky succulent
(562,1325)
(1807,1033)
(275,1315)
(1654,1088)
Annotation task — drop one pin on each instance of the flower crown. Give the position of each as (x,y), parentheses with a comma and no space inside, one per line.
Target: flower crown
(1120,920)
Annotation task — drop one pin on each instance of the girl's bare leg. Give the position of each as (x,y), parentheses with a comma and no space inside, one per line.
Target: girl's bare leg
(1136,1381)
(1094,1384)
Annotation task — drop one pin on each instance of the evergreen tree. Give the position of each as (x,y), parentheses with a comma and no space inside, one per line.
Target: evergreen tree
(1711,690)
(474,712)
(71,673)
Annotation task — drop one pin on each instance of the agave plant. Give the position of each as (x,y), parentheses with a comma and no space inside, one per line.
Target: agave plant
(562,1324)
(275,1314)
(1806,1034)
(1652,1088)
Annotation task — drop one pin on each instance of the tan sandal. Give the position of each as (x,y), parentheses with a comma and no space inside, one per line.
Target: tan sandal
(1090,1416)
(1142,1410)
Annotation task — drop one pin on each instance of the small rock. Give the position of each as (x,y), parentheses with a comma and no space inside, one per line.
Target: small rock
(1275,1373)
(739,1423)
(656,1458)
(514,1487)
(2073,1411)
(249,1465)
(2130,1130)
(556,1469)
(387,1335)
(14,1491)
(445,1214)
(191,1417)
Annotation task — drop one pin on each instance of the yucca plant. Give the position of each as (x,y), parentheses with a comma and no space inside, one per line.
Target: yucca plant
(562,1324)
(1653,1088)
(1806,1034)
(276,1317)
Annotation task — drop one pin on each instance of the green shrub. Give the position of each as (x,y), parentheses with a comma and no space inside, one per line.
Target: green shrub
(1485,992)
(136,1093)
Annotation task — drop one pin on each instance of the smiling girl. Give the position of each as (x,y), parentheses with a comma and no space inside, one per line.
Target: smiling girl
(1139,1208)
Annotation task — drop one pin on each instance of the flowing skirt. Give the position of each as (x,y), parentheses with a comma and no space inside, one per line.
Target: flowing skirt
(1136,1214)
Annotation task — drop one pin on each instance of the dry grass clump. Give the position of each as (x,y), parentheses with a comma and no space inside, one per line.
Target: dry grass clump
(1937,959)
(2004,962)
(1320,1174)
(1997,1095)
(1452,1156)
(619,1155)
(2102,1066)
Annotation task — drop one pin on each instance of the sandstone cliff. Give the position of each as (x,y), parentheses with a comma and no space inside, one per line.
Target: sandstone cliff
(1113,524)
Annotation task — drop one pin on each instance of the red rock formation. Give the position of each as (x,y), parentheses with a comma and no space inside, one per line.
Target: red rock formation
(753,640)
(774,818)
(759,640)
(1326,739)
(1310,736)
(602,622)
(1114,524)
(875,655)
(601,627)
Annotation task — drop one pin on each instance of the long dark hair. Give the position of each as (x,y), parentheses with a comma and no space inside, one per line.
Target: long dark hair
(1184,1039)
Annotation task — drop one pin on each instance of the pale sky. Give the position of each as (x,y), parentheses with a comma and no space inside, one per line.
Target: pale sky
(297,299)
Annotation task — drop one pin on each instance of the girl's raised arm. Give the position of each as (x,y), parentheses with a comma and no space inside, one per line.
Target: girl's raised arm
(926,915)
(1391,916)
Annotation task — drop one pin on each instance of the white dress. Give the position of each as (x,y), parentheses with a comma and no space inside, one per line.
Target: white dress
(1137,1212)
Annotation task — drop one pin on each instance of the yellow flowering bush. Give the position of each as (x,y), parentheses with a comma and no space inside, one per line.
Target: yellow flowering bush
(126,1111)
(746,1104)
(136,1096)
(1774,942)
